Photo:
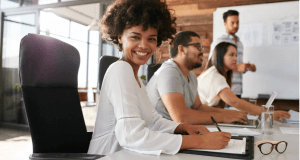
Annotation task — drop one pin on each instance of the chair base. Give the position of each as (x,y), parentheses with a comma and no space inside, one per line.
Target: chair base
(64,156)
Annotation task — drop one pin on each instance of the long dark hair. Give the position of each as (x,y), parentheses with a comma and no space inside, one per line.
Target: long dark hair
(217,60)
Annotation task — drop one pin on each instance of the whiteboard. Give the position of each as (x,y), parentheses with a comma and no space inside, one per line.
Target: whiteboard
(275,52)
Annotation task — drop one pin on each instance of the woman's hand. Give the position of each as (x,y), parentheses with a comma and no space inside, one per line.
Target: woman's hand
(281,115)
(208,140)
(211,140)
(215,140)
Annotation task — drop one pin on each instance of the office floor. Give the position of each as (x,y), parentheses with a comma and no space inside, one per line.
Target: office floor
(14,144)
(17,145)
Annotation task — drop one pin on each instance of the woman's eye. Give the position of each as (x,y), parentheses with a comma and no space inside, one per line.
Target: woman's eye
(135,37)
(152,39)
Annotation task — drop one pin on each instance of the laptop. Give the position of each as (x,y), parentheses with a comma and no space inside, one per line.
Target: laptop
(252,123)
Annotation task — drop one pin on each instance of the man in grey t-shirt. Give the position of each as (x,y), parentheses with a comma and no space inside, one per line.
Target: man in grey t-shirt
(173,87)
(170,74)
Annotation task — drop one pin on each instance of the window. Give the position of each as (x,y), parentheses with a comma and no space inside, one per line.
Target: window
(37,2)
(9,4)
(51,23)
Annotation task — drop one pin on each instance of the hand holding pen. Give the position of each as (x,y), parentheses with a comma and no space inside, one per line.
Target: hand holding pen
(214,140)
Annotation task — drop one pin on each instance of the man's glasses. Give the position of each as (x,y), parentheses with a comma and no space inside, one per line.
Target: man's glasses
(198,45)
(266,147)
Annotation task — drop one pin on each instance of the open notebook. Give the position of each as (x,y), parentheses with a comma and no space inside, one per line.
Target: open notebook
(252,123)
(235,146)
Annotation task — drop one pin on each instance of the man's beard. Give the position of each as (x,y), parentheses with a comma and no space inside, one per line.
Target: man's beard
(233,31)
(192,65)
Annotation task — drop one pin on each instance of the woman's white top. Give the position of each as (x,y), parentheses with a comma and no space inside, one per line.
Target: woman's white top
(126,119)
(210,83)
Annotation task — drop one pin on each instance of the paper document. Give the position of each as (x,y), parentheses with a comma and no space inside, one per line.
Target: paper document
(237,131)
(294,117)
(234,146)
(288,130)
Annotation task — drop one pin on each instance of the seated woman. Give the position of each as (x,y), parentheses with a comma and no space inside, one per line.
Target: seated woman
(125,117)
(215,82)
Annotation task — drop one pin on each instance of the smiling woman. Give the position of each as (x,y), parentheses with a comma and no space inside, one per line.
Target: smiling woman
(138,45)
(125,117)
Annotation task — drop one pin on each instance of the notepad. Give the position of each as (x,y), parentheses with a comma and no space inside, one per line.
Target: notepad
(237,131)
(235,146)
(289,130)
(294,117)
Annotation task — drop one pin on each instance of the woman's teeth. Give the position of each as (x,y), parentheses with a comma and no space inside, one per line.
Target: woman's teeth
(141,53)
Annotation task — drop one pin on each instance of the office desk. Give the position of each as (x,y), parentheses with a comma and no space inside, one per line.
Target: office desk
(292,152)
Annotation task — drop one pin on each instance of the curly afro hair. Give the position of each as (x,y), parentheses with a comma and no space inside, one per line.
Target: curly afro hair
(123,14)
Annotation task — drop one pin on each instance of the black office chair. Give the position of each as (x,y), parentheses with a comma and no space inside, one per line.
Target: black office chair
(104,63)
(152,68)
(48,75)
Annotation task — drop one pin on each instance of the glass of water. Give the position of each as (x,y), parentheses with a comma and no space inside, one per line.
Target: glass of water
(267,120)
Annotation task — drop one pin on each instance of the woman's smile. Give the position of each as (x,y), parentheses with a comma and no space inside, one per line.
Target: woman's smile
(141,53)
(138,44)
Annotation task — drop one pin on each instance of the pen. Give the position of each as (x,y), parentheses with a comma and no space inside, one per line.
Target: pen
(215,123)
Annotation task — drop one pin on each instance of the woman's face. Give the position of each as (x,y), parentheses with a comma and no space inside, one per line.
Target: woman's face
(138,45)
(230,58)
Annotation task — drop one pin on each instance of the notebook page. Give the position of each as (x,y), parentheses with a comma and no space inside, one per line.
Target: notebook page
(237,131)
(235,146)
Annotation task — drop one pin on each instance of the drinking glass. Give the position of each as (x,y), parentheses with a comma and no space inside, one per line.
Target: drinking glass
(267,120)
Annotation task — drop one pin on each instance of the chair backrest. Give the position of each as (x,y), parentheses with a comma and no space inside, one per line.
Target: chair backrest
(152,68)
(48,75)
(104,63)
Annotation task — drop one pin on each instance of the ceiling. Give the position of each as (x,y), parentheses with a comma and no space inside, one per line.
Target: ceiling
(83,14)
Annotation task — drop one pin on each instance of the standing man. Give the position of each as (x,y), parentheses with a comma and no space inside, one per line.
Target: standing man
(231,23)
(173,87)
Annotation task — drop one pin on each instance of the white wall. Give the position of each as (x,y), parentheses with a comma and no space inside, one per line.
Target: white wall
(277,63)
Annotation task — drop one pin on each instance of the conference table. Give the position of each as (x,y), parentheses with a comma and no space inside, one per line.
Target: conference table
(291,153)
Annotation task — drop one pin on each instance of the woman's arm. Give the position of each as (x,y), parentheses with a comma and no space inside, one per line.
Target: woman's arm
(230,98)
